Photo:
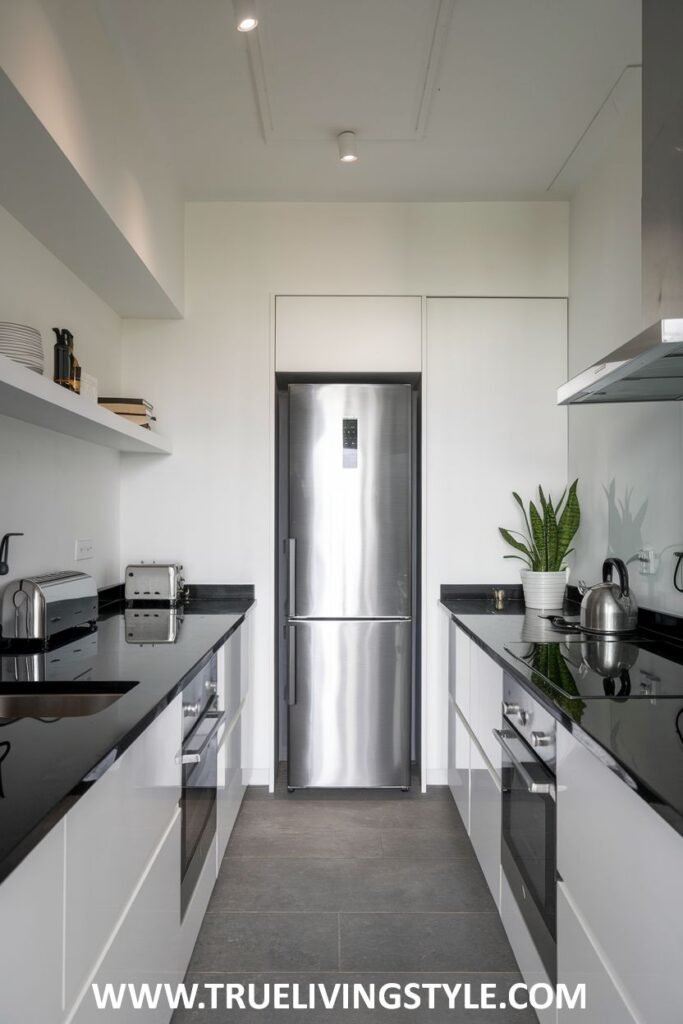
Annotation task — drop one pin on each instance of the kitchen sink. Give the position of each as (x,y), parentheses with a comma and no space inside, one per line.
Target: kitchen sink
(58,700)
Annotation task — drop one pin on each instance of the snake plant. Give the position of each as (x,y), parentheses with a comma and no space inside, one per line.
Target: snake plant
(550,530)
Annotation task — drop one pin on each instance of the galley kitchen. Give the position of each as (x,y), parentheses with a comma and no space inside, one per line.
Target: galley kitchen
(341,543)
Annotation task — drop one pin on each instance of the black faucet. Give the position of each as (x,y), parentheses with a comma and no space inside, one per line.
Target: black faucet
(4,552)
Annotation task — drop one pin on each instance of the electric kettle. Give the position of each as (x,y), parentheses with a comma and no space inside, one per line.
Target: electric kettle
(609,607)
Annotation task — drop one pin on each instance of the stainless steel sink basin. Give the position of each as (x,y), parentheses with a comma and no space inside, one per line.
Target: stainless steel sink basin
(59,700)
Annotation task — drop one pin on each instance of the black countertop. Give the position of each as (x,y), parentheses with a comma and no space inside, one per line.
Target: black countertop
(46,765)
(640,740)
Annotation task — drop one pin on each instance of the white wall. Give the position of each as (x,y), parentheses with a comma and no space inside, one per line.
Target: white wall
(211,375)
(55,488)
(629,458)
(58,56)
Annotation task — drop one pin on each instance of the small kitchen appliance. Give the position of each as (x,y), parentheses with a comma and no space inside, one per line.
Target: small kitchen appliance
(609,607)
(155,581)
(38,608)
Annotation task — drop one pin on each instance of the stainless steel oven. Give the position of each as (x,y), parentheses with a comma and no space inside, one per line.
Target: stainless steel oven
(202,720)
(529,818)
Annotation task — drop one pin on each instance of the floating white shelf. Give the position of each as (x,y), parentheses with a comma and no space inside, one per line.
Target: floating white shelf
(27,396)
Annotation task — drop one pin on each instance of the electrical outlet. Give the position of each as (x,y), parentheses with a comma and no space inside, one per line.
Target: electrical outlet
(646,557)
(84,549)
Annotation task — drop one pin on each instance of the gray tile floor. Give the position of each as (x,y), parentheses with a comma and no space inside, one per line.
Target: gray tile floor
(370,887)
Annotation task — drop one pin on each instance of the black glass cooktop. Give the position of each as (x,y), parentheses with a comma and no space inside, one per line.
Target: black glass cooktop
(587,668)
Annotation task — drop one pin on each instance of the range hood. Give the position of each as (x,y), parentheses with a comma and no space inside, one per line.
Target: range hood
(649,367)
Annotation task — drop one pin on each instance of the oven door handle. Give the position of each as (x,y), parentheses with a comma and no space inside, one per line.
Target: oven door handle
(531,785)
(194,756)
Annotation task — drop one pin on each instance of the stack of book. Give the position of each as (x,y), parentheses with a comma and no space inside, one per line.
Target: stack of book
(137,410)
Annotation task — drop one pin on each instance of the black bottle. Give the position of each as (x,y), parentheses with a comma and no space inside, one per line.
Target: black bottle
(63,357)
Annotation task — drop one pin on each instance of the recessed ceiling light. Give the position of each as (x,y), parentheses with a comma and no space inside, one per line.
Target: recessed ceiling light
(246,15)
(347,147)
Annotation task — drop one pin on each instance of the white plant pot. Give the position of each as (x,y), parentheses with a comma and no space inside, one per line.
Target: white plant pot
(544,589)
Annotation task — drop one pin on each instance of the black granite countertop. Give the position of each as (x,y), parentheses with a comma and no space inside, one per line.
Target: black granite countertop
(47,764)
(639,739)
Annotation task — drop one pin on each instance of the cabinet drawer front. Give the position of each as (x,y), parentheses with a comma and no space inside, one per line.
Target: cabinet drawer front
(485,820)
(622,864)
(31,914)
(459,645)
(459,763)
(230,785)
(231,696)
(147,947)
(530,964)
(486,697)
(579,963)
(111,835)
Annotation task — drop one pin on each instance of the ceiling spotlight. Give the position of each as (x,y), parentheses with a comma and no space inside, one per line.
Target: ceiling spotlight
(246,15)
(347,147)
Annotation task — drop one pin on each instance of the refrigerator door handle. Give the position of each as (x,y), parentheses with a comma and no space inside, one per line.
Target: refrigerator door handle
(291,678)
(291,572)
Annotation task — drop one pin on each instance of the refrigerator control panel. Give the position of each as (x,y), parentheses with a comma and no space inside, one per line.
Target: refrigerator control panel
(350,443)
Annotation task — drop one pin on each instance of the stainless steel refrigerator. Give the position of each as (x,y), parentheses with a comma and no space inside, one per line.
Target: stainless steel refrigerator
(349,585)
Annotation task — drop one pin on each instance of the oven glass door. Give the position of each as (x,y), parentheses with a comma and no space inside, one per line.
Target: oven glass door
(529,842)
(198,800)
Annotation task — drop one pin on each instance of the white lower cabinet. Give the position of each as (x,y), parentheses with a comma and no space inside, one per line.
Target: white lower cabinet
(111,835)
(485,812)
(459,647)
(146,948)
(231,787)
(231,676)
(622,866)
(486,697)
(459,763)
(579,963)
(98,900)
(473,755)
(530,964)
(31,921)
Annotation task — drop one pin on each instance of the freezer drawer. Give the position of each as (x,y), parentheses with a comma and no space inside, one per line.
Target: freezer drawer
(350,500)
(349,703)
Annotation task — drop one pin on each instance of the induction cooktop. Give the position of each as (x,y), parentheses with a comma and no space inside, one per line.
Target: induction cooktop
(590,669)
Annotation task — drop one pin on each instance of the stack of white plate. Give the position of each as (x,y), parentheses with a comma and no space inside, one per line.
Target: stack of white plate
(23,345)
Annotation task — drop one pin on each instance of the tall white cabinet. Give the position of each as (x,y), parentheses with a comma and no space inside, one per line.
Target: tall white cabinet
(491,426)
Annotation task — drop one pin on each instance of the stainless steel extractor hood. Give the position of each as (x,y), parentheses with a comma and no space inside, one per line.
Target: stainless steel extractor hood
(649,367)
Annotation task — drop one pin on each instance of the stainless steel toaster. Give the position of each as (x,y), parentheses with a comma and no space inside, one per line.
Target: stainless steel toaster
(39,607)
(154,581)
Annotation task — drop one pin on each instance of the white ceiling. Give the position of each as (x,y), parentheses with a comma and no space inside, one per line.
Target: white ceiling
(451,99)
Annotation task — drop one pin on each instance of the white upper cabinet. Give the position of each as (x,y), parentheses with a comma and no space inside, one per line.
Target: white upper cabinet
(348,333)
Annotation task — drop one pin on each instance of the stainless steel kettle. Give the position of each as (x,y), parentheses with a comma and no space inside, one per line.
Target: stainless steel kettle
(609,607)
